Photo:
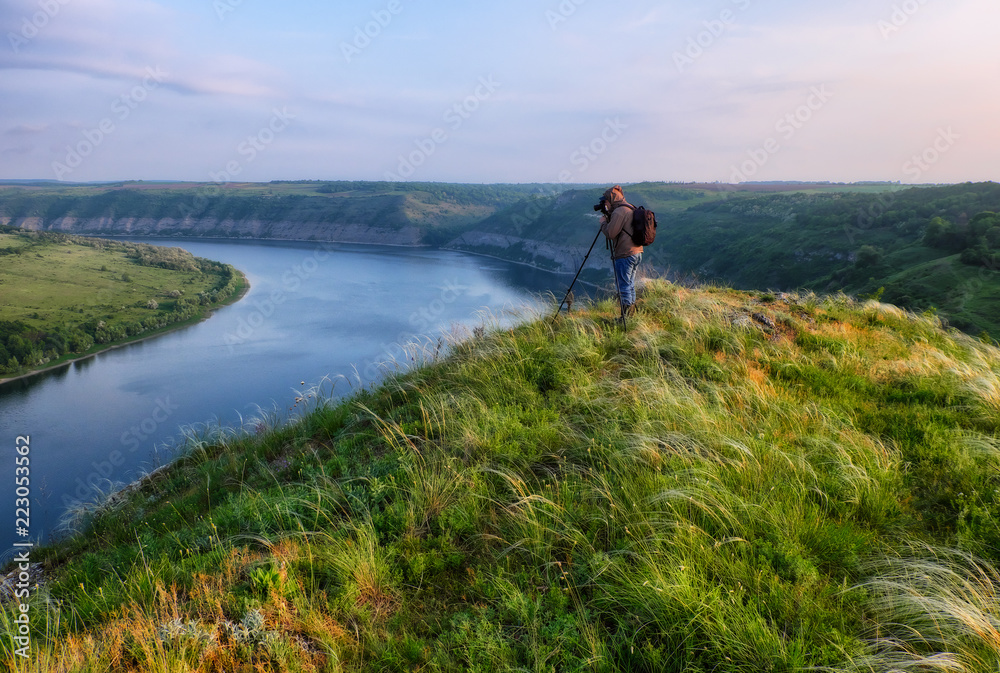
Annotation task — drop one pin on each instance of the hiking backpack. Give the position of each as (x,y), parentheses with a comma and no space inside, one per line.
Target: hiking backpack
(643,226)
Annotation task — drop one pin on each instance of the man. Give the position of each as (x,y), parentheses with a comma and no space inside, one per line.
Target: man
(626,255)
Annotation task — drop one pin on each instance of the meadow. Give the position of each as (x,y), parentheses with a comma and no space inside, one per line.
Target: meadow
(741,481)
(64,296)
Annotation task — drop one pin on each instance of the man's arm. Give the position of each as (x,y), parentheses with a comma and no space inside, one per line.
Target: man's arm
(604,225)
(618,219)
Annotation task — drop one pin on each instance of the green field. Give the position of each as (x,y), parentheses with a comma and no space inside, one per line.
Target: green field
(741,482)
(66,295)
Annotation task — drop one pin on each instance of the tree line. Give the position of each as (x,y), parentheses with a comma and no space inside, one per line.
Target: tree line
(24,346)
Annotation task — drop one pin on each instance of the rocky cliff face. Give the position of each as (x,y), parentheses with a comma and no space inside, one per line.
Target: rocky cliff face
(249,229)
(540,254)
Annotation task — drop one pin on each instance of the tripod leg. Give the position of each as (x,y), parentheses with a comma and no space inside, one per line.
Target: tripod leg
(569,292)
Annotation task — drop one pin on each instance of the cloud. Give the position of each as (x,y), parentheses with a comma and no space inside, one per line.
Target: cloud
(559,85)
(119,41)
(225,76)
(27,130)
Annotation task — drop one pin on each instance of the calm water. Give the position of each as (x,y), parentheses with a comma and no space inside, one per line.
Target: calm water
(312,312)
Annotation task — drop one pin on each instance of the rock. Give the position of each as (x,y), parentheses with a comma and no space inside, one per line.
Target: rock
(13,582)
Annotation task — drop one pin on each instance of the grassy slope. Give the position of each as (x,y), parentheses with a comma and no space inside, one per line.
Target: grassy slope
(702,493)
(58,283)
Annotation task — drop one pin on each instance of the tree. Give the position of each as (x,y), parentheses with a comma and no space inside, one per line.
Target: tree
(940,233)
(977,255)
(981,223)
(80,342)
(18,347)
(867,257)
(993,237)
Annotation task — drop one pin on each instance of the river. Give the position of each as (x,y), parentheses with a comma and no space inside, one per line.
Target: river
(314,313)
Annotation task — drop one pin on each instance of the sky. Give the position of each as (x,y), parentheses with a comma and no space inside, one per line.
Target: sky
(574,91)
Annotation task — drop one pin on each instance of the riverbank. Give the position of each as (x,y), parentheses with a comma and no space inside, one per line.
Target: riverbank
(251,239)
(529,265)
(104,348)
(308,317)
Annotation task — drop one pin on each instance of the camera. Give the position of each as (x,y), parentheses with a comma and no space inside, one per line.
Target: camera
(601,205)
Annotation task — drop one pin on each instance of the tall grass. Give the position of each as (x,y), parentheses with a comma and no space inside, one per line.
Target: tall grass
(937,610)
(708,491)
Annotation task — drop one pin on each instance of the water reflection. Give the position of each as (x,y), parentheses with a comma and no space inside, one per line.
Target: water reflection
(312,313)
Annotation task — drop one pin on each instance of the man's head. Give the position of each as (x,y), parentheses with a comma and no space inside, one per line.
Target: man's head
(615,197)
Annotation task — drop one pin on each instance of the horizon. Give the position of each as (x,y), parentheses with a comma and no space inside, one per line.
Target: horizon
(736,92)
(679,183)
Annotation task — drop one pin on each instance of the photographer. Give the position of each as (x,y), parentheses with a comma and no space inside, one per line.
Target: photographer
(616,224)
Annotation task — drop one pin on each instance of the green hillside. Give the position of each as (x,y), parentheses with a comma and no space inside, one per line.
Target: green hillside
(434,208)
(923,248)
(862,240)
(740,482)
(64,296)
(690,217)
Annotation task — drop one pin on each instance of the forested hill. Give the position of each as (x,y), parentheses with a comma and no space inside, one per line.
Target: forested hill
(934,248)
(361,212)
(928,248)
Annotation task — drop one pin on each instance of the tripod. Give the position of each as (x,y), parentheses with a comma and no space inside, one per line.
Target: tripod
(569,292)
(578,272)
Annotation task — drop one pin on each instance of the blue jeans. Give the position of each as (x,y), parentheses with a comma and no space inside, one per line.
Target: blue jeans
(625,274)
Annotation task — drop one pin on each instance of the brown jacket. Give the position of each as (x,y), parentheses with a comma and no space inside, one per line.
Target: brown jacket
(618,228)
